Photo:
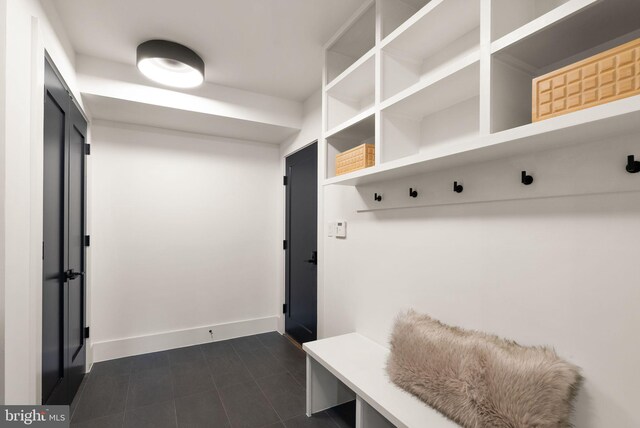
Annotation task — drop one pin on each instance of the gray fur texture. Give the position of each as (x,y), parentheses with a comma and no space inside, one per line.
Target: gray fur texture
(480,380)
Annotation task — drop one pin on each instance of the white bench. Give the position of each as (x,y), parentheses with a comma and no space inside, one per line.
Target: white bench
(343,368)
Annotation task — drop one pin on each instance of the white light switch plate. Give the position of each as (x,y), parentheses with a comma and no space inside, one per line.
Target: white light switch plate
(341,229)
(331,229)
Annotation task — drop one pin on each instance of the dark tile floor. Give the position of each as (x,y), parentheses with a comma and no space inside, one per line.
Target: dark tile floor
(249,382)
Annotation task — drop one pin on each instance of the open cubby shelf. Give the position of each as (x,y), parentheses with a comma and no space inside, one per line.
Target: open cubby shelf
(428,42)
(443,83)
(396,12)
(576,30)
(445,111)
(508,17)
(606,121)
(351,42)
(361,131)
(352,92)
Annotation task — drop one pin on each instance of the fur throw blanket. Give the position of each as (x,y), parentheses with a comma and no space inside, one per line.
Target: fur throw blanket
(479,380)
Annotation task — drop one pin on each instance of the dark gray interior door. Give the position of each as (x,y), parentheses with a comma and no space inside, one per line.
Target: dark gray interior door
(63,293)
(301,283)
(76,249)
(54,330)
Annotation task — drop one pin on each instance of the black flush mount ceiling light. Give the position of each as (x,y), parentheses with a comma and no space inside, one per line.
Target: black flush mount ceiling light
(170,63)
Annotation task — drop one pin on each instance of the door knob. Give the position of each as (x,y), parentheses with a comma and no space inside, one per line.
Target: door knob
(72,274)
(314,258)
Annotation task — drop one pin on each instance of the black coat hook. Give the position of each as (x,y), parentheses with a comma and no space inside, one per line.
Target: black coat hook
(413,193)
(633,166)
(457,187)
(377,197)
(526,179)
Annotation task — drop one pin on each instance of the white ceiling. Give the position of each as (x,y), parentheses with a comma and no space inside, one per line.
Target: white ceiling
(267,46)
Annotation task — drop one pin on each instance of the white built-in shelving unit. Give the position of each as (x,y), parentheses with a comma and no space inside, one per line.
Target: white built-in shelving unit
(442,83)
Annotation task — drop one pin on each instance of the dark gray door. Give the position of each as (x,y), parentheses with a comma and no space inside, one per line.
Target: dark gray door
(301,283)
(54,330)
(76,248)
(63,293)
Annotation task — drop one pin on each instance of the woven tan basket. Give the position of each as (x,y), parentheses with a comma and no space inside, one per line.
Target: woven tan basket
(354,159)
(602,78)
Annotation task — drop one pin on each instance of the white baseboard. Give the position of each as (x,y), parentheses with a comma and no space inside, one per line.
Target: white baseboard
(118,348)
(280,324)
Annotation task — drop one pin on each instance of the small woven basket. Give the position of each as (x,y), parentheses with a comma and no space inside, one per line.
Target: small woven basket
(608,76)
(354,159)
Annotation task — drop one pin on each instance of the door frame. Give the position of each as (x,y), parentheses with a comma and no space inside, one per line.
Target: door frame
(287,237)
(284,153)
(22,231)
(70,125)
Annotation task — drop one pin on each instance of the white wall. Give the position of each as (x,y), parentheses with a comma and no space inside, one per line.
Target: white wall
(3,87)
(310,130)
(183,238)
(27,32)
(553,271)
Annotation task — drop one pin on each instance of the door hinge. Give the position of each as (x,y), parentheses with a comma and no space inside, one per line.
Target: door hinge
(285,180)
(42,250)
(87,149)
(284,308)
(86,332)
(87,240)
(284,244)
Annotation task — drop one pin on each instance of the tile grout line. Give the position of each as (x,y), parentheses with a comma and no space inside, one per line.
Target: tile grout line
(256,380)
(236,353)
(85,381)
(126,396)
(174,394)
(131,373)
(331,418)
(147,369)
(82,394)
(175,412)
(215,386)
(269,401)
(294,379)
(173,391)
(288,371)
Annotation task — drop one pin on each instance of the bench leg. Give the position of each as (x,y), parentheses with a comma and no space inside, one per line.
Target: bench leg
(368,417)
(324,390)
